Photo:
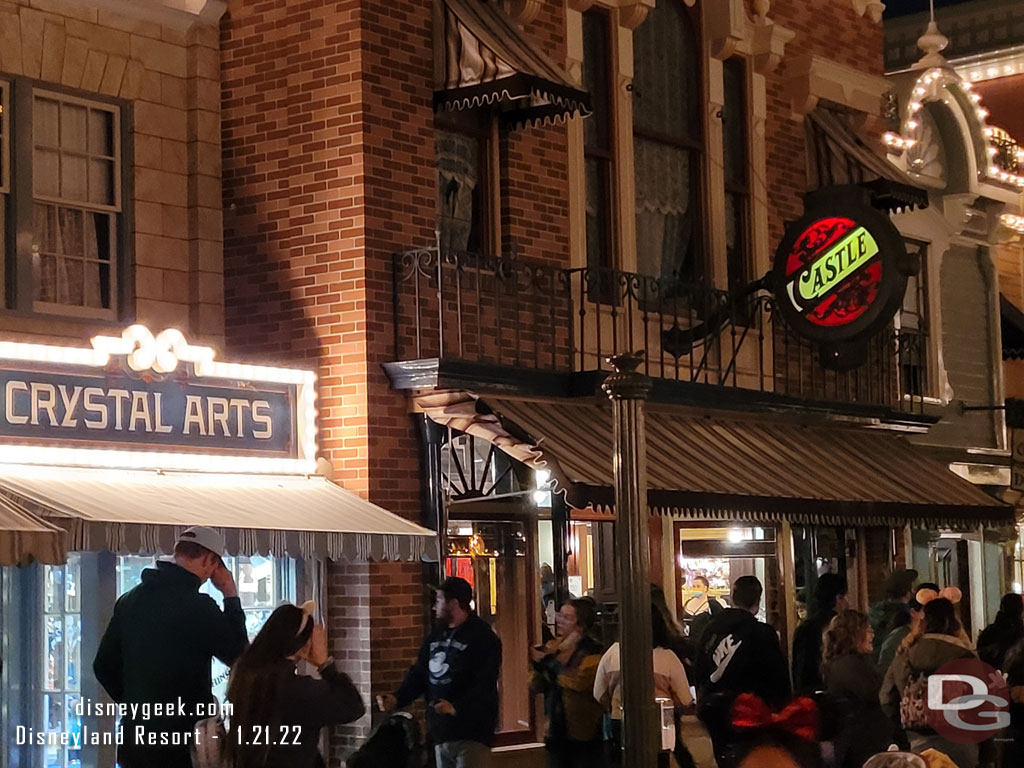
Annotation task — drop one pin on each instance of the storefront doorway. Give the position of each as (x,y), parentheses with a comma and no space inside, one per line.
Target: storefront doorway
(721,554)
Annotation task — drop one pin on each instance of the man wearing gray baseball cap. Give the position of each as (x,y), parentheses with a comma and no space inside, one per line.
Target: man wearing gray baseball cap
(159,644)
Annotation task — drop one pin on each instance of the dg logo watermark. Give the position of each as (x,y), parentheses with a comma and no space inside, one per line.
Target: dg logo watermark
(968,701)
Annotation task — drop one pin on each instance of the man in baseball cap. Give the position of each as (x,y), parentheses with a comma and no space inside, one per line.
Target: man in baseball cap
(159,644)
(456,671)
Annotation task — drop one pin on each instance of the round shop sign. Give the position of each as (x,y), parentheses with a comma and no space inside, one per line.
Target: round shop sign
(841,271)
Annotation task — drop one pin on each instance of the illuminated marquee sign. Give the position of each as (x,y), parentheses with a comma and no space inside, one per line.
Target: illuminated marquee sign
(841,271)
(145,401)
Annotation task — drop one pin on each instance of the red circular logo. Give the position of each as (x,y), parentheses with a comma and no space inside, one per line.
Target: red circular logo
(968,701)
(834,271)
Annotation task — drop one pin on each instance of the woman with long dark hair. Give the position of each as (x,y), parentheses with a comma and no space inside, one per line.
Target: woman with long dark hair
(277,713)
(937,640)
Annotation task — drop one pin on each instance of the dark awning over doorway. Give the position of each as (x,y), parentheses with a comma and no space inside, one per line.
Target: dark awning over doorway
(482,57)
(731,468)
(837,156)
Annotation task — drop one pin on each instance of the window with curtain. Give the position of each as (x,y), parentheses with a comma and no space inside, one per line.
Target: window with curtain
(737,173)
(597,137)
(76,199)
(461,145)
(668,144)
(912,329)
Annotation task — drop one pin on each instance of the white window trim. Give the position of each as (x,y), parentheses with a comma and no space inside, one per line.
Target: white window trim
(5,137)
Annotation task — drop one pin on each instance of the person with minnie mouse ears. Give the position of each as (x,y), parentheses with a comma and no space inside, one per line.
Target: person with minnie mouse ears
(763,738)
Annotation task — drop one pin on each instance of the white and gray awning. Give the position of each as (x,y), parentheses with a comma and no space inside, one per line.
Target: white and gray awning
(142,512)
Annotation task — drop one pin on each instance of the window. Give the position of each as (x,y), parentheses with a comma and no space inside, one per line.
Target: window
(5,132)
(65,202)
(461,151)
(263,584)
(61,684)
(737,179)
(597,138)
(912,329)
(668,144)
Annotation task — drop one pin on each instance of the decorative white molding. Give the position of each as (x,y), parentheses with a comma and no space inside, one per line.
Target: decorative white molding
(523,11)
(581,6)
(932,42)
(872,8)
(633,12)
(160,353)
(177,14)
(731,31)
(812,78)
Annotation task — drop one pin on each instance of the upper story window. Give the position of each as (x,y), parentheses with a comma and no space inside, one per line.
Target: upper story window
(912,327)
(62,212)
(668,143)
(461,152)
(598,146)
(735,156)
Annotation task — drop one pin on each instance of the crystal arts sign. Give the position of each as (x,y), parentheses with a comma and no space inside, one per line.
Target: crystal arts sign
(840,273)
(139,400)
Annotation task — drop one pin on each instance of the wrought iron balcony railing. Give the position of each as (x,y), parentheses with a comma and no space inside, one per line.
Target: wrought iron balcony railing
(510,312)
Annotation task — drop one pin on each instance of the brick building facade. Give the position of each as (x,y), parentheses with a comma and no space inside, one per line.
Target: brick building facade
(329,171)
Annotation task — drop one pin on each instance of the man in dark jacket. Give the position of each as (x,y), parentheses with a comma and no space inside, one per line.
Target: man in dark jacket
(829,599)
(457,672)
(738,654)
(155,654)
(889,614)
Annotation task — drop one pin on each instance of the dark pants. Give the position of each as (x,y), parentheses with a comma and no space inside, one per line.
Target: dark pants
(615,757)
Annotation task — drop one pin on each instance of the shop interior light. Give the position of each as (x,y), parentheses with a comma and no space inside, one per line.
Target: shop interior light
(1013,221)
(735,535)
(543,477)
(539,497)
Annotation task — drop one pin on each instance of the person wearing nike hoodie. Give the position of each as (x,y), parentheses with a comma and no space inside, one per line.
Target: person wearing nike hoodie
(738,654)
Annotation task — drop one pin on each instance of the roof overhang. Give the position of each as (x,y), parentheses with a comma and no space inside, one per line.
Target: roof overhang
(484,59)
(131,512)
(730,468)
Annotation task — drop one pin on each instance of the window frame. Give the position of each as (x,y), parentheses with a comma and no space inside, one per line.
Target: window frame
(926,388)
(19,270)
(741,189)
(604,156)
(484,133)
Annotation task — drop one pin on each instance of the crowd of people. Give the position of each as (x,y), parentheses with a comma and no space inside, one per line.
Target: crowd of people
(855,695)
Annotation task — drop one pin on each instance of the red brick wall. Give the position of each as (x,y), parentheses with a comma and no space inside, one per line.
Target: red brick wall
(827,28)
(327,125)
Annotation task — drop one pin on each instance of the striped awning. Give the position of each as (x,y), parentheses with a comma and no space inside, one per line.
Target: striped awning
(26,538)
(483,58)
(730,468)
(836,156)
(143,512)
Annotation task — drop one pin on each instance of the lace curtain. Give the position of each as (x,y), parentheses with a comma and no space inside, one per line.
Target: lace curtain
(69,256)
(666,120)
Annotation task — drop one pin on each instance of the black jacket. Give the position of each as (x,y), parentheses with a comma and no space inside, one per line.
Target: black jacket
(738,654)
(854,683)
(304,706)
(160,641)
(461,666)
(807,642)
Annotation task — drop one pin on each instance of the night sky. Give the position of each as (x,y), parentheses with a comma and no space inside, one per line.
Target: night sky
(895,8)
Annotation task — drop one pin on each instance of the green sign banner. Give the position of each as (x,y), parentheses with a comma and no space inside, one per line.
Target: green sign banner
(834,265)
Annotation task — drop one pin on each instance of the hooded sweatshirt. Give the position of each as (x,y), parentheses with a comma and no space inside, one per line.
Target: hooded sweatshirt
(739,654)
(459,665)
(160,640)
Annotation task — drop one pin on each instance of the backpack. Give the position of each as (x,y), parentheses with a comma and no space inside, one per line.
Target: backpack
(914,702)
